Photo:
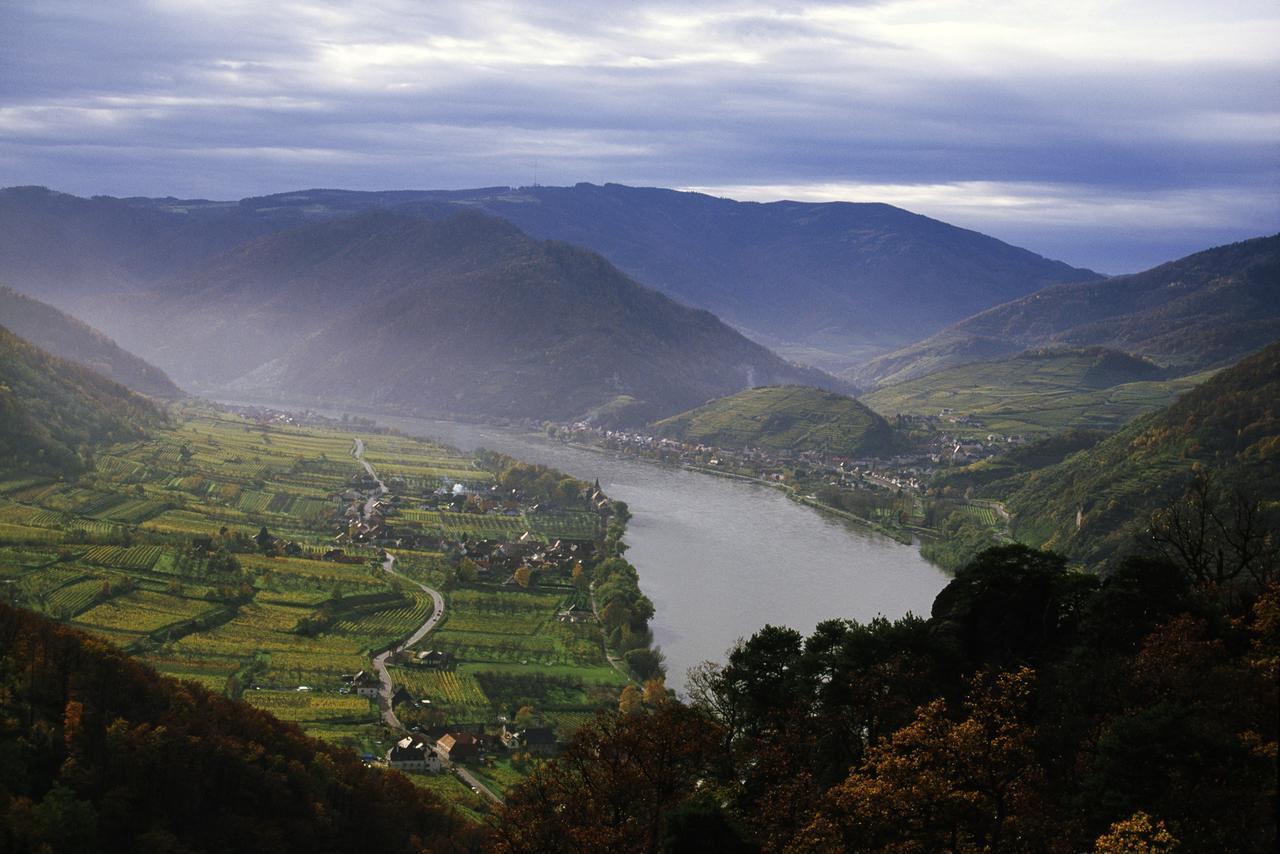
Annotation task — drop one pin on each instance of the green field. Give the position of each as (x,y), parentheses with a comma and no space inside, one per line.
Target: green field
(155,550)
(1037,392)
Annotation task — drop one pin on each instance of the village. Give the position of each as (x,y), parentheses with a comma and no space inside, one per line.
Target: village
(386,515)
(945,440)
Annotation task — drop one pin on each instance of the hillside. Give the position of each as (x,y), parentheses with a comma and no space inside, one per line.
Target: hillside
(103,754)
(68,338)
(52,410)
(465,315)
(1037,391)
(819,282)
(794,418)
(1090,503)
(828,283)
(1204,311)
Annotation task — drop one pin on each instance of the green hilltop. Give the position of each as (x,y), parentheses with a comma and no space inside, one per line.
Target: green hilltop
(784,417)
(1038,391)
(1092,502)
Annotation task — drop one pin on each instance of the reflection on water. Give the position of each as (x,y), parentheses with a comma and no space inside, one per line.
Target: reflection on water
(720,558)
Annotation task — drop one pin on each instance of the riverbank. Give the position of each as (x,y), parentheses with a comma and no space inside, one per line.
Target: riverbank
(902,535)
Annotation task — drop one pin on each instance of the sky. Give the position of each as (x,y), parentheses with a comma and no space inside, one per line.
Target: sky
(1113,135)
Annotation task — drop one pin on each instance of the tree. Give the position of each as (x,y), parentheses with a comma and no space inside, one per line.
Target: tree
(645,663)
(615,787)
(1218,535)
(655,692)
(523,575)
(629,701)
(941,784)
(1137,834)
(264,540)
(1011,605)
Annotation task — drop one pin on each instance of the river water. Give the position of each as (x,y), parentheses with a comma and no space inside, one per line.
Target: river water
(719,557)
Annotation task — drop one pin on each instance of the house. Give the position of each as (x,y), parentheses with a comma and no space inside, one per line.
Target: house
(538,740)
(458,746)
(575,614)
(366,684)
(413,754)
(434,658)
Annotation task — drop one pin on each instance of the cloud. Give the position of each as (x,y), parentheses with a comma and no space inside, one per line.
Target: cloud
(1074,111)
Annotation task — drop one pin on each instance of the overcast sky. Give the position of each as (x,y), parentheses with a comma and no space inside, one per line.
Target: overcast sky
(1111,135)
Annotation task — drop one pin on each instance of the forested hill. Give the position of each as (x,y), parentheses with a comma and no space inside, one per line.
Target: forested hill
(1228,428)
(71,339)
(1203,311)
(828,275)
(832,279)
(465,315)
(101,754)
(793,418)
(52,411)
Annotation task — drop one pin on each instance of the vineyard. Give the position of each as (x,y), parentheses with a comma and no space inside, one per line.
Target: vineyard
(141,612)
(308,706)
(119,557)
(441,686)
(128,551)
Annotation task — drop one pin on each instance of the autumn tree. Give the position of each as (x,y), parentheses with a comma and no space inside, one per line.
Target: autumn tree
(972,784)
(616,786)
(630,701)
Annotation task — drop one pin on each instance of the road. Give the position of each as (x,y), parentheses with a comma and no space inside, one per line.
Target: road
(380,660)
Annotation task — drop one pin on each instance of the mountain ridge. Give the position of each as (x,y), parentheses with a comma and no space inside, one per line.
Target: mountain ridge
(72,339)
(464,315)
(1203,311)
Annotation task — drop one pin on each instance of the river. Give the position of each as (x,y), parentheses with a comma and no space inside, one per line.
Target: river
(720,558)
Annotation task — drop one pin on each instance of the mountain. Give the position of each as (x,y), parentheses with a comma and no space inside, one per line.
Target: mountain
(1039,390)
(1092,502)
(465,315)
(791,418)
(1204,311)
(831,282)
(104,755)
(834,278)
(68,338)
(52,410)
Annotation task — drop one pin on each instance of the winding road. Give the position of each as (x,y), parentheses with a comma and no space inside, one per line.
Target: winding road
(437,611)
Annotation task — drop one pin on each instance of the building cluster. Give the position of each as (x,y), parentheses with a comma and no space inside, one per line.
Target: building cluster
(947,443)
(431,751)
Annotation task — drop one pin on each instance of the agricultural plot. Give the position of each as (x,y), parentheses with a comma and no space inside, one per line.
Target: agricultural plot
(563,525)
(216,472)
(20,514)
(983,515)
(305,707)
(457,691)
(141,613)
(70,599)
(27,534)
(120,557)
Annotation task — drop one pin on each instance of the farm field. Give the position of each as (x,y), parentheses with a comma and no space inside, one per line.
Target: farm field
(202,551)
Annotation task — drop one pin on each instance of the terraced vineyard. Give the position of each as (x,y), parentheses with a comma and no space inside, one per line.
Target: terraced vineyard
(160,549)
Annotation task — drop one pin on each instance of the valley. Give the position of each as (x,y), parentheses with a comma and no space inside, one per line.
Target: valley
(208,551)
